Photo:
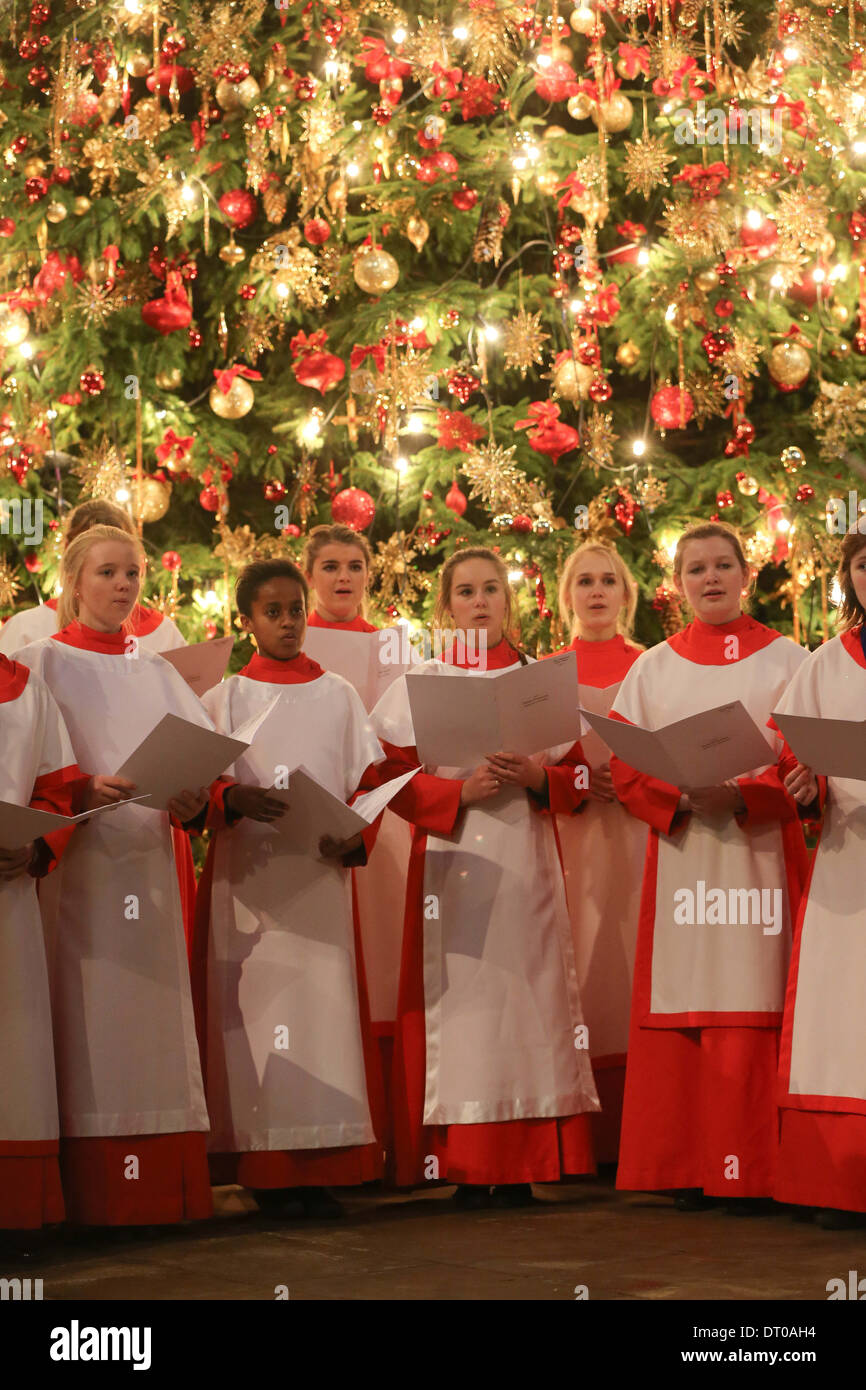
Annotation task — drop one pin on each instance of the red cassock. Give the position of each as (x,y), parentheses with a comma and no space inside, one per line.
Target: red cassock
(291,1068)
(37,768)
(719,897)
(489,1085)
(379,897)
(156,633)
(132,1112)
(822,1152)
(603,849)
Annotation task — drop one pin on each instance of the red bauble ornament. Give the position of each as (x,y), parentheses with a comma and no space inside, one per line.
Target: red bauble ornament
(19,468)
(724,499)
(247,292)
(291,529)
(455,500)
(321,370)
(521,524)
(35,189)
(63,174)
(806,291)
(173,311)
(209,498)
(858,342)
(239,206)
(427,495)
(28,48)
(723,308)
(274,490)
(38,75)
(462,385)
(353,507)
(857,226)
(166,74)
(39,13)
(762,240)
(805,492)
(432,166)
(464,199)
(316,231)
(382,115)
(7,226)
(194,338)
(171,560)
(306,88)
(600,390)
(665,408)
(91,381)
(32,564)
(588,352)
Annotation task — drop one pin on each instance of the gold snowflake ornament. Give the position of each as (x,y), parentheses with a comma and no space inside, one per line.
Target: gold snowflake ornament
(522,340)
(644,164)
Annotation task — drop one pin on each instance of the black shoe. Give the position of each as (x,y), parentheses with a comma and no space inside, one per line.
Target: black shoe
(469,1197)
(513,1194)
(693,1199)
(319,1204)
(749,1206)
(283,1203)
(831,1219)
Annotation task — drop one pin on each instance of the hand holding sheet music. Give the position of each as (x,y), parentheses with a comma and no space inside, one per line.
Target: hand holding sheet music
(704,750)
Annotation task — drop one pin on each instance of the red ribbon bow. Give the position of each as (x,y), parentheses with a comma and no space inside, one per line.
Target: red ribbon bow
(374,350)
(174,446)
(226,376)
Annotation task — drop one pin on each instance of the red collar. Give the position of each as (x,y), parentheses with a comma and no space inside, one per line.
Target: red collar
(357,624)
(497,658)
(52,604)
(89,640)
(13,679)
(852,644)
(706,643)
(145,620)
(298,670)
(601,664)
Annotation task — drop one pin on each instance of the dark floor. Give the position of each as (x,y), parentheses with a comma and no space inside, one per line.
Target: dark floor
(416,1246)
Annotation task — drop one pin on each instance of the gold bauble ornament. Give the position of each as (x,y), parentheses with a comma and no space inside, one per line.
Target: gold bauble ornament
(231,253)
(138,65)
(107,103)
(579,106)
(417,230)
(840,313)
(616,112)
(248,91)
(155,497)
(793,459)
(583,20)
(81,205)
(573,379)
(55,212)
(706,280)
(554,132)
(34,166)
(559,51)
(748,485)
(628,353)
(14,325)
(227,95)
(826,244)
(169,378)
(376,271)
(232,404)
(547,181)
(789,364)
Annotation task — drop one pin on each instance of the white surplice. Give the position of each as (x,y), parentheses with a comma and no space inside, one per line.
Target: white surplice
(125,1043)
(284,1060)
(32,624)
(35,744)
(827,1035)
(502,1005)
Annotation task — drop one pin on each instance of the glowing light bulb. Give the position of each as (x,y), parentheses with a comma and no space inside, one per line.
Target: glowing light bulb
(460,33)
(310,428)
(790,54)
(415,424)
(132,6)
(576,306)
(783,524)
(544,60)
(187,192)
(819,275)
(836,592)
(122,494)
(638,447)
(777,281)
(859,147)
(515,576)
(401,465)
(51,414)
(353,169)
(670,312)
(839,272)
(399,35)
(357,125)
(416,324)
(519,161)
(643,256)
(331,68)
(26,349)
(491,332)
(7,441)
(754,218)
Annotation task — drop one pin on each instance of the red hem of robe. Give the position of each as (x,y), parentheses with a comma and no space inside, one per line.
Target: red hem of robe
(695,1098)
(278,1168)
(607,1123)
(173,1183)
(31,1194)
(822,1160)
(507,1151)
(186,883)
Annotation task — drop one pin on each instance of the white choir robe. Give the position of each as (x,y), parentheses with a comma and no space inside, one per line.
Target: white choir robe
(699,1108)
(129,1077)
(380,898)
(154,630)
(822,1152)
(603,849)
(286,1056)
(496,1084)
(37,769)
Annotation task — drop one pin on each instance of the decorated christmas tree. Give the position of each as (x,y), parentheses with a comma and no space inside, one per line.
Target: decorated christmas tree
(516,274)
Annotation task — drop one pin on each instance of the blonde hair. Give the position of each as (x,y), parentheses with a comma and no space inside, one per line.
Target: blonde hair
(707,531)
(850,611)
(335,534)
(97,512)
(441,608)
(625,617)
(73,563)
